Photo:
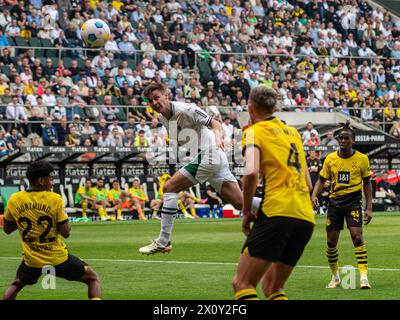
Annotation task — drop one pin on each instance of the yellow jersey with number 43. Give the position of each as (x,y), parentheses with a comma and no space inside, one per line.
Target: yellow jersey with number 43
(346,176)
(282,166)
(37,214)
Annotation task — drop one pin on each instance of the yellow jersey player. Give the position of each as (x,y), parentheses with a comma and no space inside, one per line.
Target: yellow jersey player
(155,204)
(285,220)
(84,198)
(38,214)
(138,198)
(119,199)
(349,173)
(101,203)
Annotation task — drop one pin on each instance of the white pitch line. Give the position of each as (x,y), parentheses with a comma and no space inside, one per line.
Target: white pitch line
(198,262)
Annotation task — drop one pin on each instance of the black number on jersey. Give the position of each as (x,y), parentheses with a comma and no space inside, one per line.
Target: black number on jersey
(293,160)
(28,223)
(42,237)
(28,228)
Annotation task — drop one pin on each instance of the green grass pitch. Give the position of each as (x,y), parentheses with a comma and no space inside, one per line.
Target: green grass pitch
(203,261)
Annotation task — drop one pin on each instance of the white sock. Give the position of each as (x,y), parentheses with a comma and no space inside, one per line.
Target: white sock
(168,214)
(255,205)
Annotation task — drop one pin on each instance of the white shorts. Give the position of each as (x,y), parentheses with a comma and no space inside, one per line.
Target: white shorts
(209,165)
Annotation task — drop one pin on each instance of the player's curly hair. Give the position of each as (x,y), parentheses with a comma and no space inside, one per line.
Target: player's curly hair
(39,169)
(346,127)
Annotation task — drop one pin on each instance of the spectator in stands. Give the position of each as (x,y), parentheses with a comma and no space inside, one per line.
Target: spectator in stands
(87,129)
(3,144)
(115,125)
(126,47)
(140,140)
(62,131)
(109,111)
(16,115)
(387,188)
(142,126)
(14,140)
(115,138)
(129,139)
(328,141)
(49,133)
(73,139)
(314,166)
(138,198)
(313,141)
(307,134)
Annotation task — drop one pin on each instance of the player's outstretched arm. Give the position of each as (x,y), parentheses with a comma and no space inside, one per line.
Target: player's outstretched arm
(368,197)
(219,133)
(317,190)
(9,226)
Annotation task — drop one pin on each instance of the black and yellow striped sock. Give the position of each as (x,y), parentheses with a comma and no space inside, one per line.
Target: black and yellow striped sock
(84,209)
(362,259)
(246,294)
(333,255)
(279,295)
(182,207)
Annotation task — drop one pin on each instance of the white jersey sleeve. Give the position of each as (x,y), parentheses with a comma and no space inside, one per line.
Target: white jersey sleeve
(194,114)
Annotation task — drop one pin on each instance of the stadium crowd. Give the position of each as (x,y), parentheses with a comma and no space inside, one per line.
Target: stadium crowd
(318,55)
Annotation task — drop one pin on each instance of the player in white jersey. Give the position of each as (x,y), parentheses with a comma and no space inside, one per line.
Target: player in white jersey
(206,136)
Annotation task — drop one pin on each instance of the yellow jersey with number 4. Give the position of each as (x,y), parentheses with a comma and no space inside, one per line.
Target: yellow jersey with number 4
(282,166)
(37,215)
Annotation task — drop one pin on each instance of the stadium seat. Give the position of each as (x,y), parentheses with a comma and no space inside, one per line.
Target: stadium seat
(35,42)
(115,100)
(54,61)
(132,63)
(116,62)
(100,99)
(42,60)
(67,62)
(237,48)
(20,42)
(11,41)
(354,51)
(205,71)
(6,70)
(122,114)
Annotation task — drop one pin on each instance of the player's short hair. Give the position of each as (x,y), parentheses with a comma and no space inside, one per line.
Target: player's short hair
(39,169)
(264,98)
(347,128)
(152,87)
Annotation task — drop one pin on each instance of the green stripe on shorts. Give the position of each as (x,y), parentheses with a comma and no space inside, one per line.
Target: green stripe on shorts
(193,166)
